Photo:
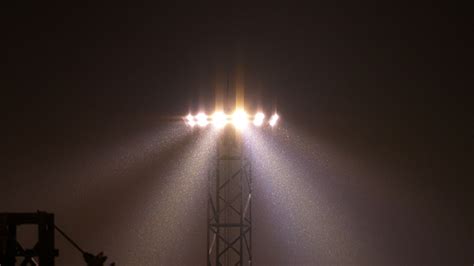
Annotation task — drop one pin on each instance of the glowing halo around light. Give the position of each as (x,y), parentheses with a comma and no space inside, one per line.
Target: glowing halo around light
(190,120)
(258,119)
(201,119)
(273,120)
(219,119)
(240,119)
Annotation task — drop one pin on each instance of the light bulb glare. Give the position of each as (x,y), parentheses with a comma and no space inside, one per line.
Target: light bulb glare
(258,119)
(190,120)
(219,119)
(201,119)
(240,119)
(273,120)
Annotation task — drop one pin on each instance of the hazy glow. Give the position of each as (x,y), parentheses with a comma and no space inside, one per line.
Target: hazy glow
(273,120)
(175,198)
(219,119)
(202,119)
(190,120)
(258,119)
(301,194)
(240,119)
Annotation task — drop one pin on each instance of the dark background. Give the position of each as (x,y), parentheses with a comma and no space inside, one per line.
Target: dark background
(386,84)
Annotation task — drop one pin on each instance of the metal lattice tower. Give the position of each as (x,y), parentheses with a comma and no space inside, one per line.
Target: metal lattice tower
(229,234)
(43,253)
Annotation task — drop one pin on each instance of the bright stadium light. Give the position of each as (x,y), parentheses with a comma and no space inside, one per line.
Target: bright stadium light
(219,119)
(240,119)
(190,120)
(202,119)
(258,119)
(273,120)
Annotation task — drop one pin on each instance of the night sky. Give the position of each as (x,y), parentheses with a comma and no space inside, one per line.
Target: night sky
(382,89)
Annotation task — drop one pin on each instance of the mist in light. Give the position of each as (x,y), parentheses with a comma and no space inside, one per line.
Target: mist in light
(87,176)
(171,215)
(291,183)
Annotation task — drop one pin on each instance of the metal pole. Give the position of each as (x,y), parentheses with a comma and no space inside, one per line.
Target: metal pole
(69,239)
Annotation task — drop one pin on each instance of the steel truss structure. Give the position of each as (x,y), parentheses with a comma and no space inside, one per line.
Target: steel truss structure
(10,249)
(229,215)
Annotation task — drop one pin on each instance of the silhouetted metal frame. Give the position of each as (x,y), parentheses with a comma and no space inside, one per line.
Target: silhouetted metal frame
(11,249)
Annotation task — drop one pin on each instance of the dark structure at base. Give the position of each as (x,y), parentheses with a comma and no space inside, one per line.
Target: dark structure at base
(44,252)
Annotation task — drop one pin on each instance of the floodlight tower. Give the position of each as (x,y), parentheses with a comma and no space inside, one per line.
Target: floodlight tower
(229,204)
(229,212)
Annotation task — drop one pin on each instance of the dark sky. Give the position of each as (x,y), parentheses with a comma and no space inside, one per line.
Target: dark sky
(386,84)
